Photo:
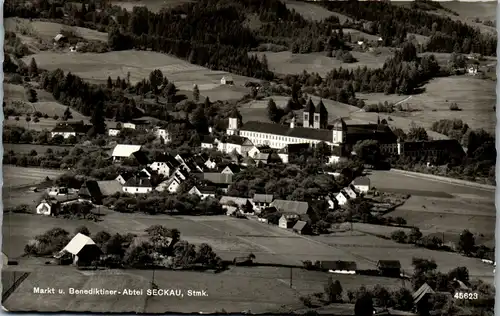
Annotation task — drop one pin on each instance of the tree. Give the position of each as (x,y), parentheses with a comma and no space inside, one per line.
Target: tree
(82,230)
(403,299)
(399,236)
(466,243)
(101,238)
(333,290)
(97,120)
(67,114)
(32,95)
(381,296)
(33,68)
(196,93)
(368,151)
(415,235)
(364,304)
(459,273)
(417,134)
(272,111)
(199,120)
(155,79)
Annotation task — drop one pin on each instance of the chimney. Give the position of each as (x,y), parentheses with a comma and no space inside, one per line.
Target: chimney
(292,123)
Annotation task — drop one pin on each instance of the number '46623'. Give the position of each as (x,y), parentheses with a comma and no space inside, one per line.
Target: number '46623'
(466,295)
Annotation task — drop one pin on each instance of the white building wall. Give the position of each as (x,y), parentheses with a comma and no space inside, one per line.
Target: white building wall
(43,209)
(63,134)
(161,168)
(113,132)
(341,199)
(278,141)
(362,188)
(137,190)
(128,125)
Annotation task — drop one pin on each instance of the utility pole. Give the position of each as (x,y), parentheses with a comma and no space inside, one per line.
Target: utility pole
(291,276)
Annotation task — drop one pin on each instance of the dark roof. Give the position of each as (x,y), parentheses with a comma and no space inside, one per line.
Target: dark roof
(389,264)
(361,181)
(295,207)
(208,139)
(72,127)
(207,189)
(265,198)
(285,130)
(339,265)
(168,159)
(90,189)
(215,177)
(141,157)
(309,107)
(138,182)
(126,175)
(320,108)
(234,139)
(300,225)
(109,187)
(379,132)
(442,144)
(340,125)
(233,167)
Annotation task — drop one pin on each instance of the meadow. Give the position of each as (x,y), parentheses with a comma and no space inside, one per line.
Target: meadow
(14,177)
(476,97)
(98,67)
(152,5)
(27,148)
(312,11)
(46,31)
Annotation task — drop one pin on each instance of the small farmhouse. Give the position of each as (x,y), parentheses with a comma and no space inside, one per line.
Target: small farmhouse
(82,249)
(69,129)
(171,185)
(390,268)
(124,177)
(234,143)
(262,201)
(110,187)
(287,221)
(123,151)
(91,192)
(227,80)
(203,192)
(342,267)
(302,228)
(165,164)
(231,169)
(342,198)
(294,207)
(209,142)
(48,207)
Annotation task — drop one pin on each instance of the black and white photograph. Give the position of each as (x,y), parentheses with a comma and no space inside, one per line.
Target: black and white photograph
(289,157)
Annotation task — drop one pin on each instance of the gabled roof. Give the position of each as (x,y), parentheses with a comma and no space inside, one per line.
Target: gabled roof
(339,265)
(320,108)
(296,207)
(207,139)
(233,167)
(361,181)
(237,200)
(228,78)
(109,187)
(215,177)
(138,182)
(263,198)
(168,159)
(90,189)
(72,127)
(421,292)
(389,264)
(77,243)
(310,108)
(205,189)
(300,225)
(126,175)
(141,157)
(262,157)
(122,150)
(238,140)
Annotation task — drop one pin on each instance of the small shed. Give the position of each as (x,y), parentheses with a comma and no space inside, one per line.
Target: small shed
(227,80)
(302,227)
(82,249)
(48,207)
(390,268)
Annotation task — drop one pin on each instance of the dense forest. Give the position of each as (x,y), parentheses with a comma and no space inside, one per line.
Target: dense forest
(394,22)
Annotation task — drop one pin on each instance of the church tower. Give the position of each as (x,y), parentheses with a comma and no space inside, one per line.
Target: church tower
(339,132)
(233,128)
(320,116)
(308,114)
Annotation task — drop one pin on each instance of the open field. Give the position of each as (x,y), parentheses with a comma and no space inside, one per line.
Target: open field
(20,176)
(476,97)
(313,11)
(152,5)
(98,67)
(43,124)
(47,30)
(27,148)
(288,63)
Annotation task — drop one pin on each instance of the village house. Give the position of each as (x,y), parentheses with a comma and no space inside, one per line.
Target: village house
(137,185)
(332,202)
(54,191)
(342,198)
(165,164)
(82,249)
(109,187)
(298,208)
(262,201)
(302,228)
(235,143)
(227,80)
(124,177)
(350,192)
(48,207)
(231,169)
(287,221)
(162,134)
(171,185)
(90,192)
(361,184)
(69,129)
(123,151)
(112,131)
(243,204)
(435,150)
(390,268)
(220,180)
(209,142)
(203,191)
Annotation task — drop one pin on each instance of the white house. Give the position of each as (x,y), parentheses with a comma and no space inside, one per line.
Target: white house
(203,192)
(129,125)
(227,80)
(165,164)
(47,207)
(235,143)
(253,152)
(472,70)
(210,163)
(123,178)
(113,132)
(231,169)
(262,201)
(82,248)
(67,130)
(171,185)
(362,184)
(287,221)
(342,198)
(209,142)
(360,43)
(333,159)
(122,151)
(137,185)
(163,134)
(332,203)
(54,191)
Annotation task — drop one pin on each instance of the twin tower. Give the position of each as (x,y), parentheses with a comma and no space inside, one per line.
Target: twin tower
(315,116)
